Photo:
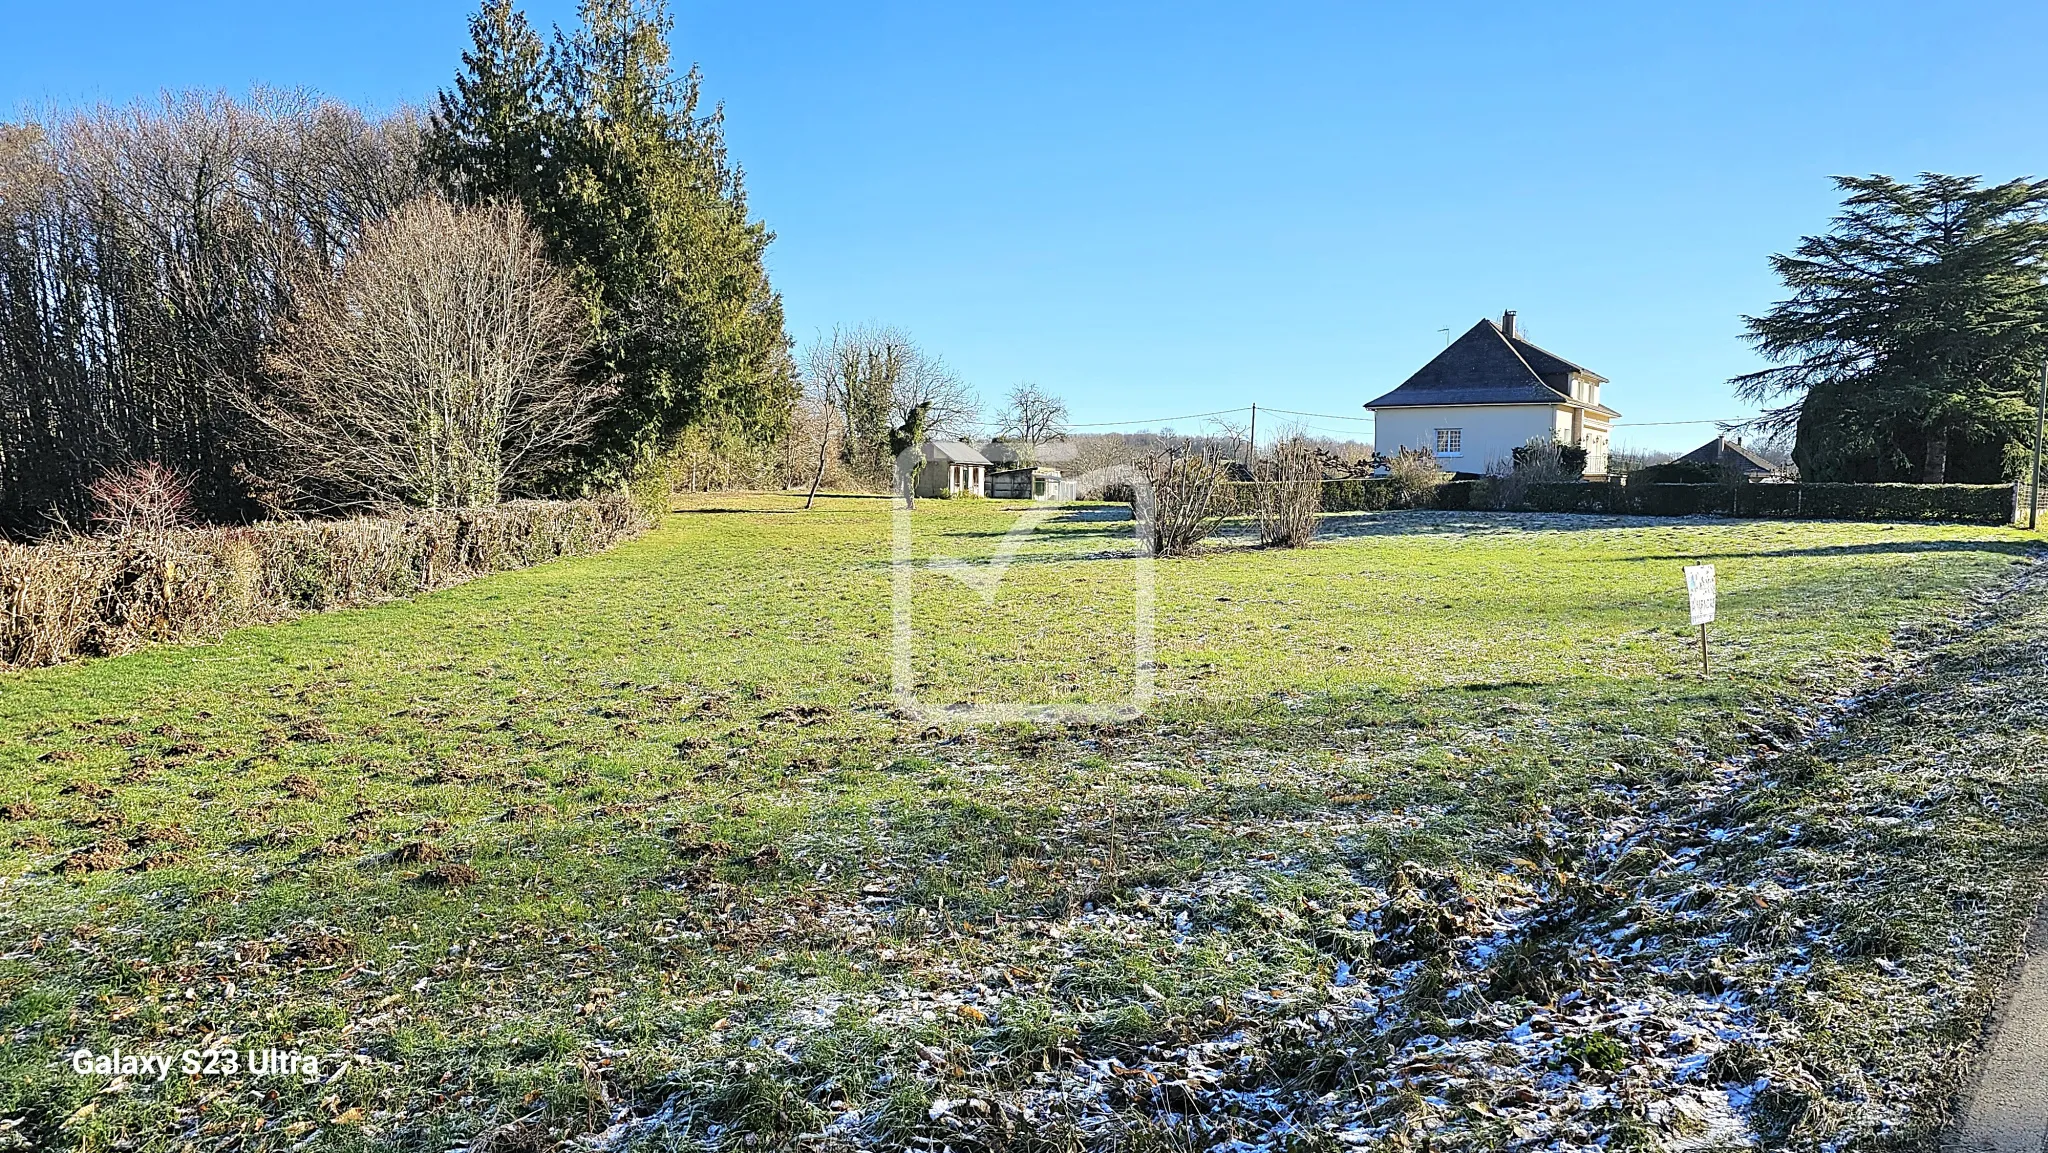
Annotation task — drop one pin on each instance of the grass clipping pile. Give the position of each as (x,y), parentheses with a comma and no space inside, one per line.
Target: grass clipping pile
(1795,946)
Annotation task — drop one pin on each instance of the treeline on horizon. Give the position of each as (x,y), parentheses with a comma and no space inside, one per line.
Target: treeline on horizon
(550,285)
(154,257)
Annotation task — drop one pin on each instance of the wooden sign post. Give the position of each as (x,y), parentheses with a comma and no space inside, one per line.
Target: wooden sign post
(1699,588)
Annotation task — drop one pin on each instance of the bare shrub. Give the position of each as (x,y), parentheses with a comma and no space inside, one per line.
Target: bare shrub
(436,370)
(1177,507)
(1542,460)
(145,500)
(1416,476)
(1289,493)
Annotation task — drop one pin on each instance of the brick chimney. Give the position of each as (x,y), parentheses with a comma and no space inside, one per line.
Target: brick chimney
(1507,324)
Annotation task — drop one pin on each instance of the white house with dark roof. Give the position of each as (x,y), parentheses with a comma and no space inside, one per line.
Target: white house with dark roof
(1489,393)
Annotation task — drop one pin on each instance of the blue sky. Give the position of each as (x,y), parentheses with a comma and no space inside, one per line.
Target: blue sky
(1164,209)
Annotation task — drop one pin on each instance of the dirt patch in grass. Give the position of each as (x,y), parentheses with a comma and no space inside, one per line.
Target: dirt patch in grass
(95,858)
(416,851)
(301,786)
(450,875)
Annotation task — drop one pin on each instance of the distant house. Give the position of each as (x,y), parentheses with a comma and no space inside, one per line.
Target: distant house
(1730,457)
(952,468)
(1488,394)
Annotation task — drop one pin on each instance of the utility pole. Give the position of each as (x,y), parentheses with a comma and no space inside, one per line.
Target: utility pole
(1252,445)
(2040,418)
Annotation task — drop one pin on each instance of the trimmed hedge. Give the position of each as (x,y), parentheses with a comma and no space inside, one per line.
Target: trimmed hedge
(1358,494)
(1373,494)
(97,596)
(1975,503)
(1968,503)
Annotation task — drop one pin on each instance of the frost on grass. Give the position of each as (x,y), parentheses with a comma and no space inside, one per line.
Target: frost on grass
(1500,871)
(1780,946)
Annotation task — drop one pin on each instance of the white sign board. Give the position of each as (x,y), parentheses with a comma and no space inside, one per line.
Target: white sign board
(1699,585)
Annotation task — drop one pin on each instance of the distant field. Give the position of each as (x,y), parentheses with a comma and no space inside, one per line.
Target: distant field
(639,846)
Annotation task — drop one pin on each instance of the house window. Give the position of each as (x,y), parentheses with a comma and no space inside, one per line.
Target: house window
(1450,441)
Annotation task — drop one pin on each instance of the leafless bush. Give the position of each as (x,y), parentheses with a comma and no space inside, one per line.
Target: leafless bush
(1416,477)
(1288,486)
(1540,461)
(1177,507)
(143,500)
(434,371)
(95,596)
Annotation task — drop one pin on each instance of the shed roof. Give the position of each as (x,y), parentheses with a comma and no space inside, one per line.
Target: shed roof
(952,452)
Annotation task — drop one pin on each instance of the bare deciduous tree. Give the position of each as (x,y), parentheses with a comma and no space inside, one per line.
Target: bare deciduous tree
(146,254)
(1033,416)
(951,408)
(876,377)
(820,398)
(855,371)
(436,369)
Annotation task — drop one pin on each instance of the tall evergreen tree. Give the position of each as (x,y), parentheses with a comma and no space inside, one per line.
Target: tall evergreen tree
(490,138)
(603,144)
(1914,333)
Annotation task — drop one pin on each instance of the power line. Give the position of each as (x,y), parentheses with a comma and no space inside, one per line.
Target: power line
(1616,424)
(1162,419)
(991,424)
(1157,420)
(1667,423)
(1319,415)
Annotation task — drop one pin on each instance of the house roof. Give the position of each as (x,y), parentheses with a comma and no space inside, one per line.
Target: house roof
(952,452)
(1724,453)
(1487,366)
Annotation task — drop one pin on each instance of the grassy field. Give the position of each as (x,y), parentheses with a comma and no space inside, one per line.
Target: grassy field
(638,849)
